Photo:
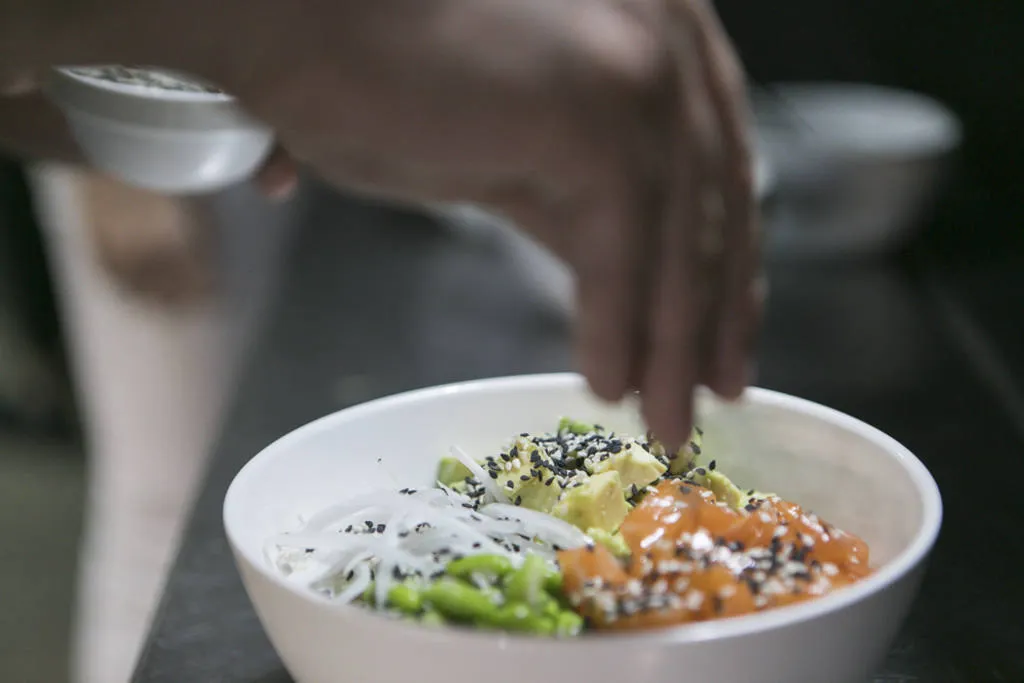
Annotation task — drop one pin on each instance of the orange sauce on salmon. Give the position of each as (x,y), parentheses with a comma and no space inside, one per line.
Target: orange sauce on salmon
(694,559)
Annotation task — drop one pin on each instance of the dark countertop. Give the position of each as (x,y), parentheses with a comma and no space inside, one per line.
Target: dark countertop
(378,302)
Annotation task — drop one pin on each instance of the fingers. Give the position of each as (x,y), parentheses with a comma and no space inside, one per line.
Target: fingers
(279,176)
(673,360)
(738,304)
(610,266)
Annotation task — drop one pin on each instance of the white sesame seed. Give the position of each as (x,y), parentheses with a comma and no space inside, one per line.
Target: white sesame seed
(829,569)
(694,599)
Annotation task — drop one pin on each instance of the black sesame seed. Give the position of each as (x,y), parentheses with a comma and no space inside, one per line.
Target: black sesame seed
(524,434)
(510,484)
(549,482)
(310,550)
(369,524)
(524,477)
(493,474)
(519,500)
(685,490)
(712,465)
(702,472)
(381,528)
(695,448)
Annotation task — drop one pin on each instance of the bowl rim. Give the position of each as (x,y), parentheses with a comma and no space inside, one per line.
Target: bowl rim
(910,558)
(945,137)
(142,91)
(166,110)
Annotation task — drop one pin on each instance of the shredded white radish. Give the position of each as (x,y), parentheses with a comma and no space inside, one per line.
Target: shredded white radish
(396,534)
(492,488)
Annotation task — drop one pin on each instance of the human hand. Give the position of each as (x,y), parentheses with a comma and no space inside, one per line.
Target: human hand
(611,130)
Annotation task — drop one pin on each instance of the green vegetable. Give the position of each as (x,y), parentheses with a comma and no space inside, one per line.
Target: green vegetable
(450,471)
(458,600)
(527,583)
(432,618)
(405,597)
(519,617)
(568,624)
(574,427)
(489,566)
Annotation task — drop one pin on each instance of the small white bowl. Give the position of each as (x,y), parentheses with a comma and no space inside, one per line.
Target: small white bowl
(858,166)
(853,475)
(159,139)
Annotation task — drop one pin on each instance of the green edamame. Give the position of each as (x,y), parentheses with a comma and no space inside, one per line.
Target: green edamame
(527,583)
(519,617)
(553,584)
(489,566)
(568,624)
(458,600)
(432,618)
(405,597)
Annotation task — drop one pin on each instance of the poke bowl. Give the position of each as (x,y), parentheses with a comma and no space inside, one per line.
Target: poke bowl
(518,529)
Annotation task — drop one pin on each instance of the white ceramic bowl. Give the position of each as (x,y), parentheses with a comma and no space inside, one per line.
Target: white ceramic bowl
(850,473)
(163,140)
(857,166)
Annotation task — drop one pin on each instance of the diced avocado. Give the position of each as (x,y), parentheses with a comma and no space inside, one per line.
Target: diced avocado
(597,503)
(612,541)
(450,471)
(688,455)
(725,491)
(574,427)
(526,476)
(636,467)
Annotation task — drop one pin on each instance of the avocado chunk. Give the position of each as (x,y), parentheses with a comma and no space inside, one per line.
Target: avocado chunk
(575,427)
(688,455)
(527,476)
(597,503)
(614,542)
(725,491)
(636,467)
(451,472)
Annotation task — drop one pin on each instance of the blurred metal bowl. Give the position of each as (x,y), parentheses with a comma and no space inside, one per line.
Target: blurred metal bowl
(857,167)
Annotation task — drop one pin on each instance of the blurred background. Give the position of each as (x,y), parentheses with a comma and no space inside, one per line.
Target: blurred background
(123,338)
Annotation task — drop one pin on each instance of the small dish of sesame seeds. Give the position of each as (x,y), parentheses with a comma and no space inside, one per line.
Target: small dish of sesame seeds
(543,546)
(158,129)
